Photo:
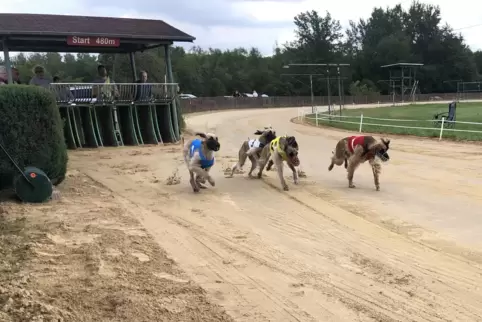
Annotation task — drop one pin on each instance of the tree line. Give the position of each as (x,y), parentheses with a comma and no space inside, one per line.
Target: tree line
(389,35)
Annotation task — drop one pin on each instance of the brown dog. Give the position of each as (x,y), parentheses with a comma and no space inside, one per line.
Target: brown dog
(252,149)
(283,148)
(198,155)
(355,150)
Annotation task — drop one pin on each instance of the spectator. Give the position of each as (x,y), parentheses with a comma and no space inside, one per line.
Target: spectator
(236,94)
(255,94)
(4,77)
(62,92)
(143,90)
(39,78)
(107,92)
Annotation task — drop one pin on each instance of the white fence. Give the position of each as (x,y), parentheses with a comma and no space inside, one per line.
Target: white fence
(441,125)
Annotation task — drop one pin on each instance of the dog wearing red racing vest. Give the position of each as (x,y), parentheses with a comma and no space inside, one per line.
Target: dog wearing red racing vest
(354,150)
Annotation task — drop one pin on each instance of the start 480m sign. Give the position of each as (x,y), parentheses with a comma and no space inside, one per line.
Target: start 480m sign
(93,41)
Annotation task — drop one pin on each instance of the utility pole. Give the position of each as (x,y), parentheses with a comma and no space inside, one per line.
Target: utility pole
(312,97)
(340,85)
(328,89)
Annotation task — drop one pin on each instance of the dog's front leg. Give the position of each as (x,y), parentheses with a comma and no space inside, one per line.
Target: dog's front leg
(270,165)
(256,155)
(200,182)
(251,151)
(295,173)
(377,169)
(203,174)
(278,161)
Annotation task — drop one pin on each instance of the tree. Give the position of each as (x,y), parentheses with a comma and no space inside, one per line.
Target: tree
(388,35)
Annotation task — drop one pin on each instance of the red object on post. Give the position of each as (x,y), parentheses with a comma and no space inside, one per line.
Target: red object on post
(88,41)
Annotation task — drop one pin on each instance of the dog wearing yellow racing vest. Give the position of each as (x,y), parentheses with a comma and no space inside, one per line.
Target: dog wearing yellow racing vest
(282,149)
(354,150)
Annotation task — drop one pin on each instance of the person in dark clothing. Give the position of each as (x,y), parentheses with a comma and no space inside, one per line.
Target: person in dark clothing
(143,90)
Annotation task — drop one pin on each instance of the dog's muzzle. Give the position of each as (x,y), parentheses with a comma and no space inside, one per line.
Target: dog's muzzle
(213,145)
(383,156)
(294,160)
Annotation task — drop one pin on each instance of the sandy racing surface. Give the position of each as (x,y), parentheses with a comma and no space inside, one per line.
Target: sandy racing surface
(320,252)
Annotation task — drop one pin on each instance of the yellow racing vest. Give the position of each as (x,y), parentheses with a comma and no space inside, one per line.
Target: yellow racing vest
(274,145)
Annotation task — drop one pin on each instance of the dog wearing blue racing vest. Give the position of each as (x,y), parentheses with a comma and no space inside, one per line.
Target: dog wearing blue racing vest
(199,157)
(252,148)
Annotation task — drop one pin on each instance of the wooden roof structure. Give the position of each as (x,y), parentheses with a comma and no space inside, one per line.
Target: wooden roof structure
(62,33)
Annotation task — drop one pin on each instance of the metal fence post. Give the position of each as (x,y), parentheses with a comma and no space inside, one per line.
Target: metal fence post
(441,129)
(361,123)
(316,115)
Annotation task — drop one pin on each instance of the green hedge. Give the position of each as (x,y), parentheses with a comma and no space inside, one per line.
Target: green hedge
(32,132)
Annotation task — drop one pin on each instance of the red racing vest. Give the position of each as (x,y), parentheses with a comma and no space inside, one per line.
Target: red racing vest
(354,141)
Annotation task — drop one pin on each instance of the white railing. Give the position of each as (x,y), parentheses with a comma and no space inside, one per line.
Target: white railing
(442,124)
(100,93)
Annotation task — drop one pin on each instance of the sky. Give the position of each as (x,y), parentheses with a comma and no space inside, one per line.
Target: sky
(237,23)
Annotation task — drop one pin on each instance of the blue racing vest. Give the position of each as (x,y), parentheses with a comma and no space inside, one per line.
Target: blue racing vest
(196,146)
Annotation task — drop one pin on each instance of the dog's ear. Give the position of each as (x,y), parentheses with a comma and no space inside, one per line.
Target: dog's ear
(283,144)
(258,132)
(386,142)
(203,135)
(291,140)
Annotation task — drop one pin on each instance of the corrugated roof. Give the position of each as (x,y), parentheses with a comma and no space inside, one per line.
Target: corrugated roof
(63,25)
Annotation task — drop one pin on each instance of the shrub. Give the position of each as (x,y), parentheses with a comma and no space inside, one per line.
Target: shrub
(32,132)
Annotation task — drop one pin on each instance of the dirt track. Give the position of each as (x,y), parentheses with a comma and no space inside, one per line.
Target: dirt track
(320,252)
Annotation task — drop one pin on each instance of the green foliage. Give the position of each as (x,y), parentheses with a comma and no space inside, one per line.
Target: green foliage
(419,115)
(365,87)
(32,132)
(389,35)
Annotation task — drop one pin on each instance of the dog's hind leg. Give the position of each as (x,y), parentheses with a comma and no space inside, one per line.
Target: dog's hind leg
(254,163)
(242,157)
(193,182)
(335,161)
(377,169)
(338,156)
(353,164)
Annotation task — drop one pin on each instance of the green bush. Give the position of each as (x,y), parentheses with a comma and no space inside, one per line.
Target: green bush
(32,132)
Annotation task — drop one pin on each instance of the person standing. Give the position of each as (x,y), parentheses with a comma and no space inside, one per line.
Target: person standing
(39,78)
(143,90)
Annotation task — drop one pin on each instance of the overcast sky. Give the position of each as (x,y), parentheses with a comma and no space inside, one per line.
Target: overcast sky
(235,23)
